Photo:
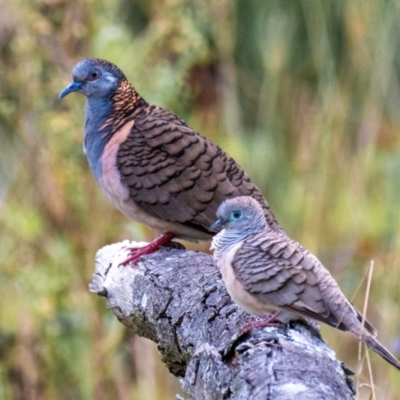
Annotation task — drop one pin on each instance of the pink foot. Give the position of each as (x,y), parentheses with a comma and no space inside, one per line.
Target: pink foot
(137,252)
(268,321)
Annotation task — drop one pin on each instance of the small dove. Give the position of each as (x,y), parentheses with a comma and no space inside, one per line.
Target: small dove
(266,271)
(151,165)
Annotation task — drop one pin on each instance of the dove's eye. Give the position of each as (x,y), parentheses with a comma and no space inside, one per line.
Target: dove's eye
(236,214)
(93,75)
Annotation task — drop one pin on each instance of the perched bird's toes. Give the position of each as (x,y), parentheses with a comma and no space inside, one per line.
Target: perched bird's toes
(262,323)
(252,324)
(135,254)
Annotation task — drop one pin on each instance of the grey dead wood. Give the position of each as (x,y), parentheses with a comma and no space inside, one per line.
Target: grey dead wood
(177,299)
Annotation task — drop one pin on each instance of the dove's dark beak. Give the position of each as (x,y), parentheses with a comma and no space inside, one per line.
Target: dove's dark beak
(73,87)
(217,225)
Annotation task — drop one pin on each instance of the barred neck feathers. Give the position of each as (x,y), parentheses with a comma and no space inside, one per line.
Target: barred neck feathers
(105,116)
(124,102)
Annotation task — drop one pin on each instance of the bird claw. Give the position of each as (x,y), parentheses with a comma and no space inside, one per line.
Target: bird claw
(261,323)
(252,324)
(137,252)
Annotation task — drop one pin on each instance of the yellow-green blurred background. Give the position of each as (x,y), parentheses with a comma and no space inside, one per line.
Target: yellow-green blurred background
(304,94)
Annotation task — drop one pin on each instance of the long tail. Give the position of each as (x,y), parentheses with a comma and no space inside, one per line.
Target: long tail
(375,345)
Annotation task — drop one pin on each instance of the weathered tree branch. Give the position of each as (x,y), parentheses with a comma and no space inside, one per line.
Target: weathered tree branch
(177,299)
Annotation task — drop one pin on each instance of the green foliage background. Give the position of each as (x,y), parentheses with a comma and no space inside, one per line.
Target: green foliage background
(305,95)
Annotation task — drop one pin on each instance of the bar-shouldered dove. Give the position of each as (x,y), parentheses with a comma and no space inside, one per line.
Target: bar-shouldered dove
(151,165)
(265,271)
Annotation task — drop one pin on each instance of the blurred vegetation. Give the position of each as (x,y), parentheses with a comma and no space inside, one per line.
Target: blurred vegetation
(304,94)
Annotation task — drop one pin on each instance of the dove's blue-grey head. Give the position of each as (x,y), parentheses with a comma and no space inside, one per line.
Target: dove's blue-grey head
(238,219)
(240,214)
(110,96)
(94,77)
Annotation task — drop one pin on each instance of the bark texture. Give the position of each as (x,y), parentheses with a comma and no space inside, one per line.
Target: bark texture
(177,299)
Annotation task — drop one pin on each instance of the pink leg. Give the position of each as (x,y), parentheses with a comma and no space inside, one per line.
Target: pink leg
(268,321)
(137,252)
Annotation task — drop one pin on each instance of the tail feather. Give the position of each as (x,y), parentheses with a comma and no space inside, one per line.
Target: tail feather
(376,346)
(367,325)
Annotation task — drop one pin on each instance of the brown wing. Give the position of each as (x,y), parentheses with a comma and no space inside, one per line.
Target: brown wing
(279,271)
(177,175)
